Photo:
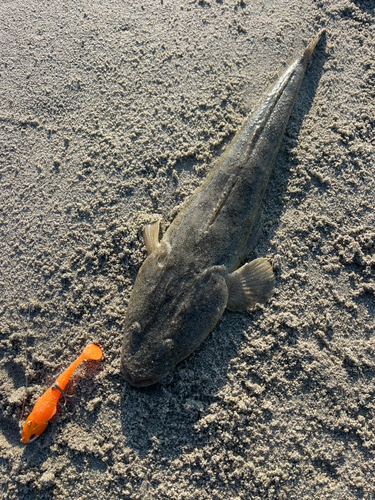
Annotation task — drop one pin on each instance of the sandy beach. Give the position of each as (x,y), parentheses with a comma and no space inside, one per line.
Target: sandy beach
(111,114)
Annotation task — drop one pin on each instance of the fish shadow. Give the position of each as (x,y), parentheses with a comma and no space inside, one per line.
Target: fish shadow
(287,161)
(164,419)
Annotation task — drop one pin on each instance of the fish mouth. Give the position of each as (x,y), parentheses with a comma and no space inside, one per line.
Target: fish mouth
(32,438)
(138,381)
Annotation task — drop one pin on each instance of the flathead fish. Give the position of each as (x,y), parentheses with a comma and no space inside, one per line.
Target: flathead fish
(192,275)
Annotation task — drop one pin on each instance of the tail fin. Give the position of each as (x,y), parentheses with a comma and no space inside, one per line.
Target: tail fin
(310,49)
(92,351)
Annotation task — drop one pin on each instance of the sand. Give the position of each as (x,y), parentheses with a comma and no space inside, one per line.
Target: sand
(111,113)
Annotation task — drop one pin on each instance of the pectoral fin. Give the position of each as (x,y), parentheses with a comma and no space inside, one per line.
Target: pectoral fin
(250,284)
(150,234)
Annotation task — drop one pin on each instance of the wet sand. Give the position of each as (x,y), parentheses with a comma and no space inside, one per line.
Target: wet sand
(111,113)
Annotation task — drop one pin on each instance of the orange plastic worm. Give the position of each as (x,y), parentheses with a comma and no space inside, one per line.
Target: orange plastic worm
(45,406)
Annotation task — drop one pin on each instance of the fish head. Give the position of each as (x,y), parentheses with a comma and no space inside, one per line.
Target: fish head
(32,429)
(172,309)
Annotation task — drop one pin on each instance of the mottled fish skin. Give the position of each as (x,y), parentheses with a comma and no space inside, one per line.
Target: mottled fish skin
(192,275)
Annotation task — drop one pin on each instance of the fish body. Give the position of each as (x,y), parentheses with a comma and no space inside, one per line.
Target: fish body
(192,275)
(45,406)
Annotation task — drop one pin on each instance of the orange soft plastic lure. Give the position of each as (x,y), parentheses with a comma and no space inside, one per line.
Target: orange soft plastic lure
(45,406)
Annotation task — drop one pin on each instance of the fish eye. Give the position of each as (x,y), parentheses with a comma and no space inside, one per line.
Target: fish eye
(135,327)
(168,344)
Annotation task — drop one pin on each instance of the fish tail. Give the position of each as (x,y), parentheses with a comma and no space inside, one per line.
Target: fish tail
(310,48)
(92,351)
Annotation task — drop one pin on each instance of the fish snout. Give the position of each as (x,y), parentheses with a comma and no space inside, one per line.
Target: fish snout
(134,379)
(32,430)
